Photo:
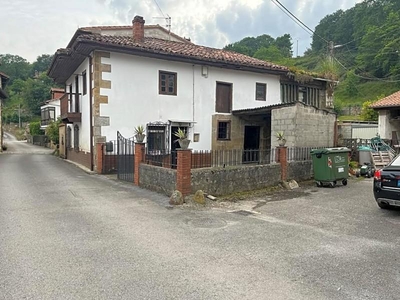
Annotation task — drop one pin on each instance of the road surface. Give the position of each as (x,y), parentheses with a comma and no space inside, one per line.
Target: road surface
(65,234)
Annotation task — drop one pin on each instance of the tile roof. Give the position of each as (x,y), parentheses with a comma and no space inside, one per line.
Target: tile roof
(183,50)
(389,101)
(129,27)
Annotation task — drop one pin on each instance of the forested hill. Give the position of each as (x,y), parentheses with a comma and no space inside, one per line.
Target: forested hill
(366,50)
(28,88)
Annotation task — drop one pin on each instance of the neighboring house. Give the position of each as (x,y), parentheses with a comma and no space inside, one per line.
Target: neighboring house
(50,111)
(119,77)
(389,117)
(3,81)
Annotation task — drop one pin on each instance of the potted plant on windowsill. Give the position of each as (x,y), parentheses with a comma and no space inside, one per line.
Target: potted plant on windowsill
(139,134)
(280,136)
(182,139)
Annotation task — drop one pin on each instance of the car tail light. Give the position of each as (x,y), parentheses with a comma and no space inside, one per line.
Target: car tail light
(377,175)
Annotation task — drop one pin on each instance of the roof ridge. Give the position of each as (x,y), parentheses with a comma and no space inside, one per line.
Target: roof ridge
(187,45)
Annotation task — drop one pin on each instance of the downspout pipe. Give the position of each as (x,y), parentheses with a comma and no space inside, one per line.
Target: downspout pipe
(91,111)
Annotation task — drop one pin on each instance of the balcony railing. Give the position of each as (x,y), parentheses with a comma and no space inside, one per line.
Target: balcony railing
(71,108)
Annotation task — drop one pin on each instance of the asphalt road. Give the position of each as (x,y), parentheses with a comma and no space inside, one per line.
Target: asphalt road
(65,234)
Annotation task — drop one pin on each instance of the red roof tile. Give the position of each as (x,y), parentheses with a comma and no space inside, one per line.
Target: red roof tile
(389,101)
(129,27)
(184,50)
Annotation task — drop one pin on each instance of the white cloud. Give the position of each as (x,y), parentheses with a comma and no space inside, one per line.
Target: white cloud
(34,27)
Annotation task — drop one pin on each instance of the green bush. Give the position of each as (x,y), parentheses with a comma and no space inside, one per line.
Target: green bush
(34,129)
(53,133)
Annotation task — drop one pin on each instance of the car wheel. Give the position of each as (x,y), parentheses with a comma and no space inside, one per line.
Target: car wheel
(344,181)
(383,205)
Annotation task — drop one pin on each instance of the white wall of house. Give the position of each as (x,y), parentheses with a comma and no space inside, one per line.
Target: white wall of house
(385,128)
(388,124)
(84,125)
(134,97)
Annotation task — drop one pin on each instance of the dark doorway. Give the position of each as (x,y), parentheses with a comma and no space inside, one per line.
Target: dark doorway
(251,144)
(175,145)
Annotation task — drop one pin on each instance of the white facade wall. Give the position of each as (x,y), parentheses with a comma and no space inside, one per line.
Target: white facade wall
(385,128)
(84,126)
(134,97)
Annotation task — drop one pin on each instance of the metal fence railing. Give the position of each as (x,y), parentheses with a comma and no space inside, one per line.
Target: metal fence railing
(161,158)
(300,153)
(234,157)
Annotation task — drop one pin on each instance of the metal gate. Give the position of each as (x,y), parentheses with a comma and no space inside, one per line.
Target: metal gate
(125,158)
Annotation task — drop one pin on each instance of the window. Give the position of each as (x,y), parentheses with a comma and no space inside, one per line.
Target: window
(76,138)
(224,130)
(69,137)
(156,139)
(261,91)
(167,83)
(223,103)
(84,83)
(48,115)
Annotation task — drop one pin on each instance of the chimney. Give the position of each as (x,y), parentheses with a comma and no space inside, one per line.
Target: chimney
(138,29)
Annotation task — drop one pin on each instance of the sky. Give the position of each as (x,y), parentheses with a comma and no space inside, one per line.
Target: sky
(30,28)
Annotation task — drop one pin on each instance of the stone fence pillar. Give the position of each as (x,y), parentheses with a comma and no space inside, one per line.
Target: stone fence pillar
(282,159)
(139,158)
(183,172)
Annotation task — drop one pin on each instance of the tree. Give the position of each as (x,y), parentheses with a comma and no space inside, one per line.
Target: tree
(52,131)
(36,91)
(368,113)
(14,66)
(284,44)
(272,53)
(42,64)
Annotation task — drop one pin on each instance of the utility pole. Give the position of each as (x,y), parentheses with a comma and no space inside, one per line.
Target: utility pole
(330,53)
(19,115)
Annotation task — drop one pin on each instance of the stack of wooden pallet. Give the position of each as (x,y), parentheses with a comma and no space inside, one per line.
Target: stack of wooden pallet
(381,158)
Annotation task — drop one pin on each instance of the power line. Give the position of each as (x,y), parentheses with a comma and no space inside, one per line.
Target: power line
(291,18)
(159,8)
(364,77)
(279,4)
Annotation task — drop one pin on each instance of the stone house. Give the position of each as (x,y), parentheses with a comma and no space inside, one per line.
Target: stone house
(389,117)
(3,81)
(119,77)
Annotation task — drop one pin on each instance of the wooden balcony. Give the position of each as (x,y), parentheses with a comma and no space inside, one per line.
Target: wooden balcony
(70,108)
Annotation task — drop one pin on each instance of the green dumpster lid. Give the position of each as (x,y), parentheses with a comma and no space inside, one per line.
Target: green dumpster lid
(330,150)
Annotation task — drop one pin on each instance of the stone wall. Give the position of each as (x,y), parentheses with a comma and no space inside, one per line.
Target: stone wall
(161,180)
(304,126)
(300,170)
(223,181)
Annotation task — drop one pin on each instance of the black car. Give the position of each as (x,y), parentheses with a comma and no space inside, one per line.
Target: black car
(387,185)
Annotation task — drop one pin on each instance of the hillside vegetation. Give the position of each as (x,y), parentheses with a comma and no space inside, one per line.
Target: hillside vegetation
(366,46)
(365,59)
(28,87)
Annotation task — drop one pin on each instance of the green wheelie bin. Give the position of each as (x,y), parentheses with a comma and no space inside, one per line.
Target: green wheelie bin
(330,165)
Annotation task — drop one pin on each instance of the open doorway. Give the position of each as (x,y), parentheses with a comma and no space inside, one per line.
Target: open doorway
(251,144)
(175,144)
